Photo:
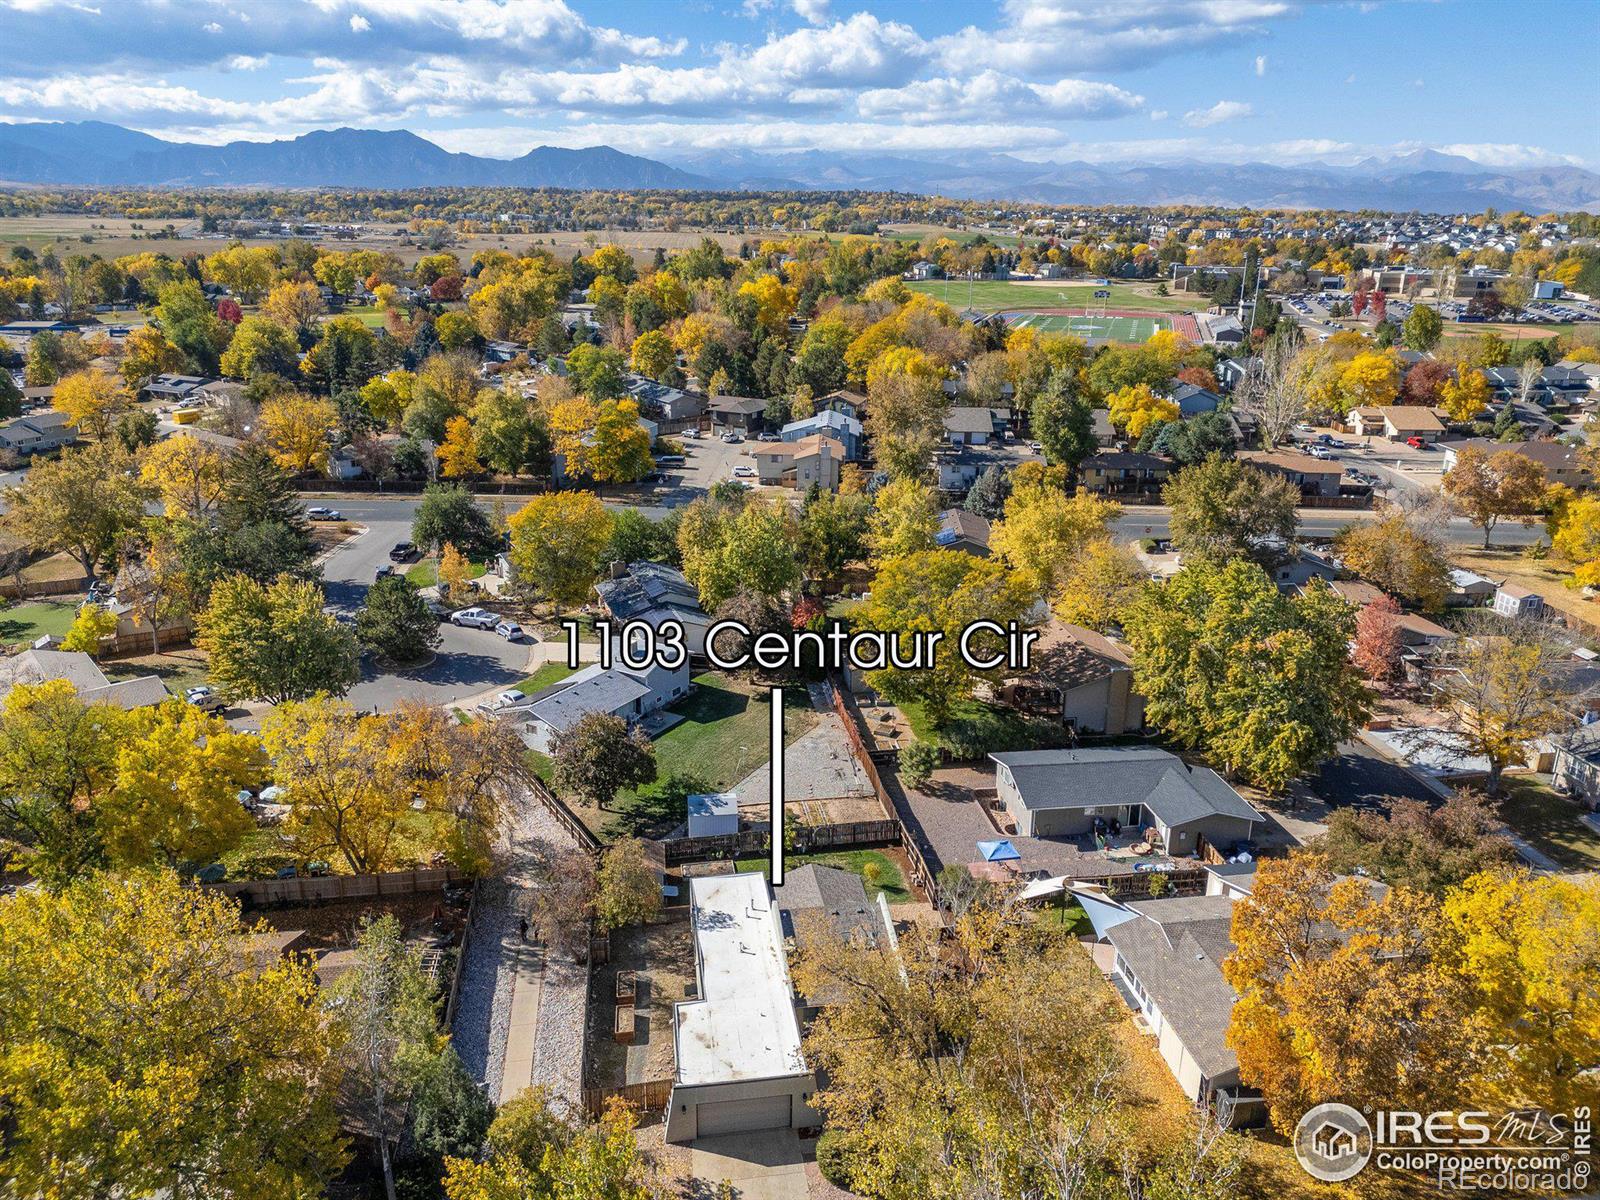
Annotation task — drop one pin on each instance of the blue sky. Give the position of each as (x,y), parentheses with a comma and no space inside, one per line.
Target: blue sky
(1101,80)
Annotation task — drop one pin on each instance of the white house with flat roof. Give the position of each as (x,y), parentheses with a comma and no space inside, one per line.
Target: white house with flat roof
(739,1063)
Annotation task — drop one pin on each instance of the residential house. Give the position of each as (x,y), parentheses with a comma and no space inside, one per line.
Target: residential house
(846,403)
(503,351)
(845,430)
(1220,330)
(1313,476)
(672,404)
(964,531)
(924,269)
(1235,880)
(1168,965)
(1231,372)
(960,466)
(1105,433)
(1194,401)
(739,1063)
(1514,600)
(87,679)
(632,693)
(655,593)
(172,388)
(745,414)
(1080,678)
(38,434)
(818,902)
(967,425)
(1073,793)
(1298,565)
(799,464)
(1123,472)
(1560,463)
(1397,422)
(1576,769)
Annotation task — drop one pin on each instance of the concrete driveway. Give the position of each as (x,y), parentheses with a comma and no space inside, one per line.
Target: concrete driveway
(468,662)
(761,1166)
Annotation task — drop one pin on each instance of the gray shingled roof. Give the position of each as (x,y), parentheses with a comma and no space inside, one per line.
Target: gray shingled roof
(142,692)
(969,420)
(815,892)
(1173,791)
(1176,952)
(604,691)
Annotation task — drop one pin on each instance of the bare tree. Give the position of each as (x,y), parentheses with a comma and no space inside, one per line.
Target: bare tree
(1271,393)
(1528,377)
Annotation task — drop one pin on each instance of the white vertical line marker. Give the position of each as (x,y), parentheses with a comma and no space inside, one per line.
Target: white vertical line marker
(776,775)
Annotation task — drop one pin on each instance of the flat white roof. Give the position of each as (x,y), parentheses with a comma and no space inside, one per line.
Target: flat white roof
(743,1026)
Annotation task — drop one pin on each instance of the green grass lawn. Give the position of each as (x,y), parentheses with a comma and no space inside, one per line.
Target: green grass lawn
(890,881)
(722,738)
(992,295)
(369,315)
(32,620)
(1065,914)
(178,669)
(1551,823)
(553,672)
(426,573)
(974,729)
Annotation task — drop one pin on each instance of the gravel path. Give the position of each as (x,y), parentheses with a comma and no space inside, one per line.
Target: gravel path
(483,1011)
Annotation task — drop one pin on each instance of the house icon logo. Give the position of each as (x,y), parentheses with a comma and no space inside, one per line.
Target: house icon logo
(1333,1142)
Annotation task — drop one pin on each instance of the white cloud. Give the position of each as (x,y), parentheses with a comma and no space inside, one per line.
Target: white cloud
(211,27)
(813,11)
(247,62)
(1509,154)
(990,94)
(359,24)
(1159,114)
(1222,110)
(1261,65)
(754,8)
(1350,78)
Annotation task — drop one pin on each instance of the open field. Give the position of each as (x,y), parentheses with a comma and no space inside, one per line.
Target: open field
(1547,576)
(1093,328)
(917,231)
(993,295)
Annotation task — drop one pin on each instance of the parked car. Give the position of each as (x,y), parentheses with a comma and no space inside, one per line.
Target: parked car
(744,472)
(205,698)
(1417,443)
(1319,451)
(510,696)
(511,631)
(732,438)
(1036,447)
(324,514)
(475,618)
(383,573)
(403,552)
(692,434)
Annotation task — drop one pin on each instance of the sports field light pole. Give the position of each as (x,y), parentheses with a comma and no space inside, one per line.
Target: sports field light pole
(775,777)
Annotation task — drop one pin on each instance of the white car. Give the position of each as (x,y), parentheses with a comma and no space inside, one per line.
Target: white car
(204,698)
(510,697)
(475,618)
(1319,452)
(510,630)
(1036,447)
(744,472)
(324,514)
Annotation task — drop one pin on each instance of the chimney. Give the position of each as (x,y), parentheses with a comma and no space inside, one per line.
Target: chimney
(619,570)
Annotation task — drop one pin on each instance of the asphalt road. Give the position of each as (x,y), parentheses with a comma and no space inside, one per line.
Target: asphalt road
(468,661)
(1136,522)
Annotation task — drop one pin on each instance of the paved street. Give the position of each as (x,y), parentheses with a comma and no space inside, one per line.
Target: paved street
(1359,777)
(468,662)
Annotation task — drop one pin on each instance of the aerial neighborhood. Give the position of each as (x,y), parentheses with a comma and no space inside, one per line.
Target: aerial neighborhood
(396,799)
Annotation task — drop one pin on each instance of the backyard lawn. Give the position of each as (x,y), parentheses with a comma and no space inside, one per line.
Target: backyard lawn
(890,881)
(974,728)
(722,738)
(24,623)
(1551,823)
(179,669)
(1065,914)
(553,672)
(426,573)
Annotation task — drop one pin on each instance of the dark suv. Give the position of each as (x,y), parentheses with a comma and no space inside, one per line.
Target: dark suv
(403,552)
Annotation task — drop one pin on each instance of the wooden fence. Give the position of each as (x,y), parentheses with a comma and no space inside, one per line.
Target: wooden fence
(326,889)
(20,589)
(847,714)
(461,959)
(650,1096)
(806,838)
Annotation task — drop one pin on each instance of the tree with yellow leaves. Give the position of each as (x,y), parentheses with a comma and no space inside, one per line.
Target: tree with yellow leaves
(92,625)
(92,401)
(1465,396)
(1134,409)
(1489,487)
(455,572)
(557,543)
(296,428)
(653,355)
(904,519)
(297,306)
(458,453)
(1099,583)
(175,796)
(1574,526)
(146,352)
(1369,380)
(1043,530)
(152,1048)
(186,472)
(774,300)
(246,271)
(620,452)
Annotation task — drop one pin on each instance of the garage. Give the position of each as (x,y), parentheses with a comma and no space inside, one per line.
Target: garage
(742,1116)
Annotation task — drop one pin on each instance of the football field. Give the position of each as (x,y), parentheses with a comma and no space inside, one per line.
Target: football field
(1091,327)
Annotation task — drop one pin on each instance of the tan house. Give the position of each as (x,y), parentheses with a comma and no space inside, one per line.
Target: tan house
(811,460)
(1397,422)
(1123,472)
(1313,476)
(1080,678)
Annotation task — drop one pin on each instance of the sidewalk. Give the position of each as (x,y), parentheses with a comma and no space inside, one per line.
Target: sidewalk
(522,1034)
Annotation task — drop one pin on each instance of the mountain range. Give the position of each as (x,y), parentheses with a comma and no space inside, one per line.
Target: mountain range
(96,153)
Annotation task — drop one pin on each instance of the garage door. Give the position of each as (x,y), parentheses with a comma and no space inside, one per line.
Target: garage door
(742,1116)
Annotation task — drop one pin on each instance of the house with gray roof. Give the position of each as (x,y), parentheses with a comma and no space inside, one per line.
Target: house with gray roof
(37,433)
(1577,763)
(964,531)
(845,430)
(655,593)
(1071,793)
(965,425)
(619,691)
(87,679)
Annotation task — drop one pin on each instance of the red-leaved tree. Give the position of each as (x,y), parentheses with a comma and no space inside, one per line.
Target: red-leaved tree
(1376,653)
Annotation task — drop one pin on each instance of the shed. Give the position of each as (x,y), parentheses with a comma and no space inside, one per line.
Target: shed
(713,814)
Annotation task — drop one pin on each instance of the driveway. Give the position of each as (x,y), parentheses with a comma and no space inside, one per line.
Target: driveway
(761,1166)
(468,662)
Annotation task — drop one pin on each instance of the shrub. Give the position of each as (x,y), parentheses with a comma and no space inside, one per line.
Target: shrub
(917,762)
(833,1159)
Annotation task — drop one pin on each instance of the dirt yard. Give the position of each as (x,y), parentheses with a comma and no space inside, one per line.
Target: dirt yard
(662,956)
(1547,576)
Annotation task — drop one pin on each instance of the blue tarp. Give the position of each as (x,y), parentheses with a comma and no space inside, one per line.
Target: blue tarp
(1001,851)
